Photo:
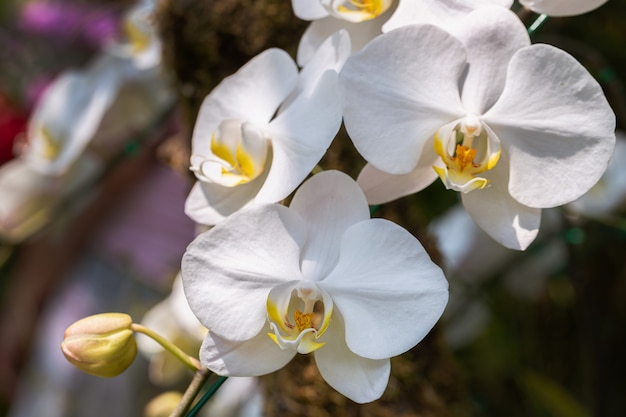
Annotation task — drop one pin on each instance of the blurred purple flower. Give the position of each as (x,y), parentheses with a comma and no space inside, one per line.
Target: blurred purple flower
(95,26)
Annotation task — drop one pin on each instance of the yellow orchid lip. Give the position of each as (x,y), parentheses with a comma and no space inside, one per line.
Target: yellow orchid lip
(50,144)
(299,314)
(467,151)
(239,154)
(138,38)
(359,10)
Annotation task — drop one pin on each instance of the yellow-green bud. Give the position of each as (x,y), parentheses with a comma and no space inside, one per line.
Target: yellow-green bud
(101,345)
(163,405)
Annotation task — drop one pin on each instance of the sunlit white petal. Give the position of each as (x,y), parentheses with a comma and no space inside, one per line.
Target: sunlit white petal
(393,106)
(253,357)
(559,137)
(361,379)
(330,203)
(562,7)
(229,270)
(413,286)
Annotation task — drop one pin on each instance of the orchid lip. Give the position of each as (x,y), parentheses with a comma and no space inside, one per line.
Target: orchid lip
(299,313)
(468,149)
(238,154)
(356,10)
(50,144)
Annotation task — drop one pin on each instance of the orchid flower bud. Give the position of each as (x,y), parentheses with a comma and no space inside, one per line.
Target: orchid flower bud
(163,405)
(101,345)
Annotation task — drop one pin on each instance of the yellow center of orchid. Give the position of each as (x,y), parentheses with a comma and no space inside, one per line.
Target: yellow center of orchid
(50,145)
(303,320)
(138,38)
(357,10)
(239,153)
(241,165)
(464,157)
(466,151)
(298,314)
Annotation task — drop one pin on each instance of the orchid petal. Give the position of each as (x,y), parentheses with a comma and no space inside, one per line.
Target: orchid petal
(256,356)
(300,136)
(70,113)
(209,203)
(489,51)
(508,222)
(229,270)
(394,102)
(331,55)
(360,379)
(380,187)
(308,9)
(252,94)
(556,125)
(330,202)
(443,13)
(319,30)
(384,276)
(562,7)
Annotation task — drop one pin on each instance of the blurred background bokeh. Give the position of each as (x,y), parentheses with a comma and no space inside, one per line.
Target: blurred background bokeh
(535,333)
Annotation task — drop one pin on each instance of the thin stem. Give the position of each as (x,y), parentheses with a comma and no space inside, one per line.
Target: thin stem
(207,396)
(198,381)
(537,24)
(192,363)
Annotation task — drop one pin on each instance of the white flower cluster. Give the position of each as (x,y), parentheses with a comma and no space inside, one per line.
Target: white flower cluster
(84,113)
(427,89)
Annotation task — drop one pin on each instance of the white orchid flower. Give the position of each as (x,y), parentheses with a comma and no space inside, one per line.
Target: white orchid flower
(350,10)
(68,116)
(514,127)
(318,276)
(329,17)
(30,199)
(142,45)
(443,13)
(242,153)
(560,8)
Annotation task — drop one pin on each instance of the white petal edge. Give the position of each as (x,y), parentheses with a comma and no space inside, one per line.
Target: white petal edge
(508,222)
(73,107)
(360,33)
(229,270)
(251,94)
(556,126)
(563,8)
(330,202)
(308,9)
(489,51)
(443,13)
(254,357)
(331,55)
(360,379)
(209,203)
(380,187)
(387,289)
(300,136)
(395,103)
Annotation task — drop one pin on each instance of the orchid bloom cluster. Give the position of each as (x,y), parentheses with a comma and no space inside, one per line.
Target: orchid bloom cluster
(427,89)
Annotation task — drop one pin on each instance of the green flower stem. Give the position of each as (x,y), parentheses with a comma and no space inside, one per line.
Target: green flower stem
(537,24)
(191,362)
(198,381)
(207,396)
